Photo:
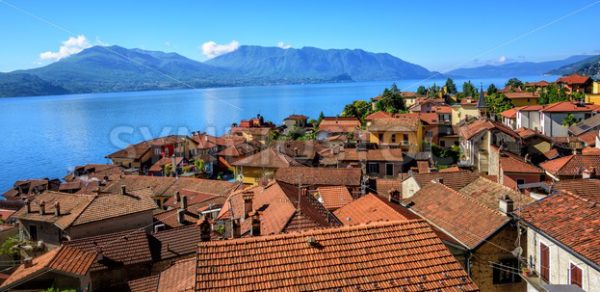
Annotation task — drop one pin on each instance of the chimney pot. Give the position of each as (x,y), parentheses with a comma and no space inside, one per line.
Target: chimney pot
(57,209)
(184,204)
(181,216)
(43,208)
(247,196)
(28,262)
(28,205)
(255,230)
(177,197)
(506,205)
(205,230)
(123,190)
(235,228)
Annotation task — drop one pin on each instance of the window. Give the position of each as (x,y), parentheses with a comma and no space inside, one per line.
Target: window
(380,137)
(576,276)
(389,169)
(404,139)
(429,134)
(520,181)
(442,143)
(503,271)
(393,138)
(544,262)
(373,168)
(33,232)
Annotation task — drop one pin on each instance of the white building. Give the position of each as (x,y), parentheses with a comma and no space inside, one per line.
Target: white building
(549,119)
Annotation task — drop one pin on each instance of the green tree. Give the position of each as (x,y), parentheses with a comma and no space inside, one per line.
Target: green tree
(514,83)
(450,86)
(468,89)
(168,169)
(492,89)
(553,93)
(497,103)
(433,91)
(319,119)
(391,101)
(569,120)
(199,165)
(421,90)
(358,109)
(10,246)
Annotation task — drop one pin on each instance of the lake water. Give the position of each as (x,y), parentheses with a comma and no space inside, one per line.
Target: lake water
(47,136)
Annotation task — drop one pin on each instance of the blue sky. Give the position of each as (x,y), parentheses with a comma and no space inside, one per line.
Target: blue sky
(440,35)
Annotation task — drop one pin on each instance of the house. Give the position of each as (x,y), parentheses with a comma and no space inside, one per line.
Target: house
(409,256)
(552,116)
(377,163)
(572,166)
(252,134)
(562,242)
(54,217)
(372,208)
(537,86)
(587,130)
(484,237)
(575,83)
(405,132)
(333,126)
(515,171)
(333,197)
(466,109)
(593,96)
(529,117)
(142,155)
(454,180)
(523,98)
(294,120)
(477,140)
(180,276)
(23,189)
(172,245)
(166,163)
(509,117)
(272,209)
(315,177)
(305,152)
(490,193)
(262,165)
(97,171)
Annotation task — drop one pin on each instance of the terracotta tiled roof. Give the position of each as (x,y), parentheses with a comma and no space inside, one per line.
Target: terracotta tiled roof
(180,277)
(339,125)
(589,138)
(168,186)
(570,219)
(267,158)
(254,131)
(64,259)
(590,151)
(176,242)
(511,113)
(408,255)
(442,109)
(586,188)
(522,94)
(526,132)
(455,180)
(573,79)
(530,108)
(429,118)
(71,207)
(551,154)
(110,206)
(296,117)
(489,193)
(138,150)
(542,83)
(571,165)
(474,128)
(378,115)
(169,218)
(99,171)
(145,284)
(569,106)
(510,163)
(125,247)
(204,141)
(385,185)
(371,208)
(334,197)
(320,176)
(396,124)
(585,126)
(194,198)
(450,169)
(158,166)
(445,208)
(298,149)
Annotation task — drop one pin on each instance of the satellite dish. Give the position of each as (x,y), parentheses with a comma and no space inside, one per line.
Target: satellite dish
(517,252)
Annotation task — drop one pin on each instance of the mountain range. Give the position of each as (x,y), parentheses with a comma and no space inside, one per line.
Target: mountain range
(589,66)
(515,69)
(114,68)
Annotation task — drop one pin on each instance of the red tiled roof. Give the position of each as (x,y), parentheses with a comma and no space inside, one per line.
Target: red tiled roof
(569,219)
(522,94)
(379,256)
(590,151)
(445,209)
(158,166)
(334,197)
(569,106)
(404,123)
(511,113)
(530,108)
(474,128)
(429,118)
(145,284)
(385,185)
(378,115)
(573,79)
(371,208)
(542,83)
(269,158)
(489,193)
(588,137)
(320,176)
(455,180)
(339,125)
(572,165)
(125,247)
(180,277)
(177,242)
(586,188)
(296,117)
(510,163)
(450,169)
(193,198)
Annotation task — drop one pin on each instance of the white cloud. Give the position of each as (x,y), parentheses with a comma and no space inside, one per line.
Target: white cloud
(211,49)
(283,45)
(69,47)
(502,59)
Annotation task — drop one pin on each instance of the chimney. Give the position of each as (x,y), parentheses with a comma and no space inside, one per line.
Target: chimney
(181,216)
(28,262)
(57,209)
(123,190)
(205,230)
(235,228)
(255,229)
(177,197)
(28,205)
(174,164)
(247,196)
(506,205)
(184,204)
(587,173)
(43,208)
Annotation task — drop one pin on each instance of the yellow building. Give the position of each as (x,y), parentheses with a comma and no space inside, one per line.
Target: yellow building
(262,165)
(594,95)
(466,108)
(523,98)
(404,132)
